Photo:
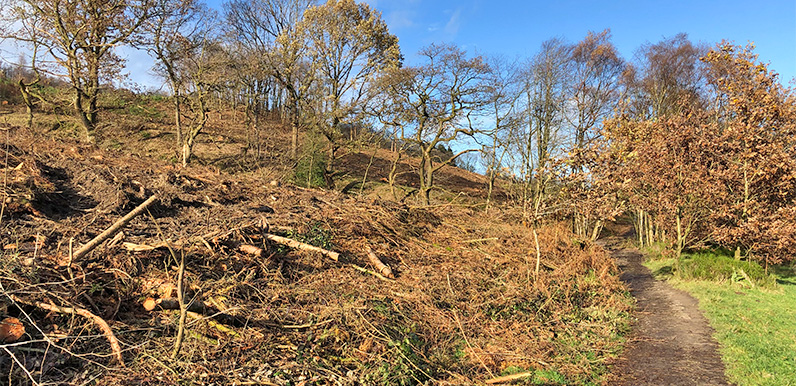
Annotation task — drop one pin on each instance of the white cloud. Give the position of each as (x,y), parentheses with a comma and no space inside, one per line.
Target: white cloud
(400,19)
(454,23)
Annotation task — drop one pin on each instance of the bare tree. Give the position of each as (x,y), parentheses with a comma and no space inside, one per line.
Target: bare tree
(595,90)
(168,36)
(432,104)
(546,82)
(503,93)
(26,34)
(596,70)
(81,36)
(205,71)
(30,97)
(666,77)
(270,46)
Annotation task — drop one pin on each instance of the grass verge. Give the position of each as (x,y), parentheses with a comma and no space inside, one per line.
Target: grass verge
(754,316)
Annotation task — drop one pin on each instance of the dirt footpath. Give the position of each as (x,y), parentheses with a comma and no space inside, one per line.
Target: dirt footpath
(671,342)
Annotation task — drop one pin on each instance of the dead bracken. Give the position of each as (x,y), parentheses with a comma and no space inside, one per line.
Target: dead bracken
(446,294)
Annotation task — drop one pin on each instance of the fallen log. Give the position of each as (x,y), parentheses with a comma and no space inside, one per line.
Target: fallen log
(251,250)
(118,225)
(133,247)
(384,269)
(150,304)
(369,272)
(299,245)
(101,323)
(196,306)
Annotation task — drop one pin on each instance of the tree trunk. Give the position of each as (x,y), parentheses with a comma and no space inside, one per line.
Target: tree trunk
(330,166)
(92,92)
(429,181)
(580,224)
(640,227)
(426,175)
(680,237)
(598,227)
(177,118)
(28,99)
(490,188)
(294,123)
(257,148)
(492,166)
(84,118)
(190,139)
(92,109)
(745,190)
(393,174)
(247,122)
(187,150)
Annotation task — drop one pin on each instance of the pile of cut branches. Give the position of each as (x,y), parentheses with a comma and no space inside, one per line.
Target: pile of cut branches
(226,279)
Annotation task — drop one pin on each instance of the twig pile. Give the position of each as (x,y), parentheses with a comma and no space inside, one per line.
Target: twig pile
(277,284)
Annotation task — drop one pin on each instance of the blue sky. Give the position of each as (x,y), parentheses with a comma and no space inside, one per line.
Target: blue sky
(517,28)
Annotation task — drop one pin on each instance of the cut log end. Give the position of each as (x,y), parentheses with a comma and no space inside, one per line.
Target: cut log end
(383,269)
(11,330)
(150,304)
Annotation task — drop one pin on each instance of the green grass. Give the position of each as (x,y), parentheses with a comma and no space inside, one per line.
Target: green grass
(755,325)
(538,376)
(141,110)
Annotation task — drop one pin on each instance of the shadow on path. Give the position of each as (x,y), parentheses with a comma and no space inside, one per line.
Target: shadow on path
(671,342)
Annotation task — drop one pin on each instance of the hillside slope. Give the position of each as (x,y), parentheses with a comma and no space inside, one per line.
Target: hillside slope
(466,305)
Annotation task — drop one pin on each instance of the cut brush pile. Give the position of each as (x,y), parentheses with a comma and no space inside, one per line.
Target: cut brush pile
(446,295)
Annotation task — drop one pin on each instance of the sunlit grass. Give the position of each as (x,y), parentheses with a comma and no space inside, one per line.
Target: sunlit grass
(755,327)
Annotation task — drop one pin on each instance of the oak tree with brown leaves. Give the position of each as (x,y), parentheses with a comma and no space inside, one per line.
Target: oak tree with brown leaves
(720,172)
(755,119)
